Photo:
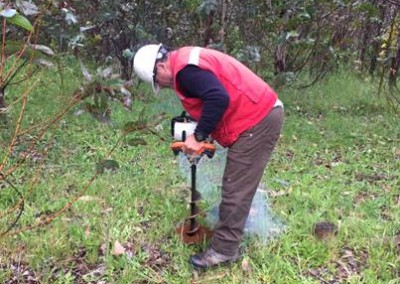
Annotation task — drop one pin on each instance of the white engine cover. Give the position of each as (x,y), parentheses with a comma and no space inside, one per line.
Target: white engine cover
(183,129)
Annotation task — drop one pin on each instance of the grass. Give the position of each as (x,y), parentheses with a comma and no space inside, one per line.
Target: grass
(337,161)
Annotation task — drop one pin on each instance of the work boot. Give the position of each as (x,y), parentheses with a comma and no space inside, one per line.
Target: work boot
(211,258)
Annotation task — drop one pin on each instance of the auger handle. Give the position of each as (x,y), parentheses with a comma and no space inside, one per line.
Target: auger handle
(208,149)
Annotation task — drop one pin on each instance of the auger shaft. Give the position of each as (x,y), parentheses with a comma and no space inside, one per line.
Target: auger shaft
(194,227)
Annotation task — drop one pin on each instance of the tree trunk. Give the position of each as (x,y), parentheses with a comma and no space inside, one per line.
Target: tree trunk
(365,42)
(376,43)
(280,53)
(208,35)
(280,58)
(394,69)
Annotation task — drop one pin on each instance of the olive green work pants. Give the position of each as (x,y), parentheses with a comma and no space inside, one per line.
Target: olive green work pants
(245,165)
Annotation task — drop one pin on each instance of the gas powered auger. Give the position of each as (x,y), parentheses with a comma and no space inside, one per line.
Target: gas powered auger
(181,127)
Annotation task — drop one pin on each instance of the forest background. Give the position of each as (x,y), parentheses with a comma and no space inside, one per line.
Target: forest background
(89,190)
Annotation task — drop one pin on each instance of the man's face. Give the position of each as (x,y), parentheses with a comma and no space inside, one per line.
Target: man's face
(163,75)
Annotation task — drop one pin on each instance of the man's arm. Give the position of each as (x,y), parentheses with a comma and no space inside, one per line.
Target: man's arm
(198,83)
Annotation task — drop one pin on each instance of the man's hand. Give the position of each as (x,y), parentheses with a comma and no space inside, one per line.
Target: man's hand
(192,147)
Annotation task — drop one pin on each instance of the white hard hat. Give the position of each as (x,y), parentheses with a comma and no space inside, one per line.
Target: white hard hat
(143,64)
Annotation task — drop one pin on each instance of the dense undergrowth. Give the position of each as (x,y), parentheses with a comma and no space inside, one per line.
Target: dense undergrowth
(337,161)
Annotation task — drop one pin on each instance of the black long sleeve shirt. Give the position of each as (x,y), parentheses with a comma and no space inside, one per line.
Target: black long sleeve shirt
(198,83)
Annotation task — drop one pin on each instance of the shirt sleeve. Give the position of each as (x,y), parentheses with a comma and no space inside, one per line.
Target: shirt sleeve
(198,83)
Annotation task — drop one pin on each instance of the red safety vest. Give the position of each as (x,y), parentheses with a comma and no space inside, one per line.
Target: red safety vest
(251,99)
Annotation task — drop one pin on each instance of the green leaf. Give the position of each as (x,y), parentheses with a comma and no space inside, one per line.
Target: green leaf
(21,21)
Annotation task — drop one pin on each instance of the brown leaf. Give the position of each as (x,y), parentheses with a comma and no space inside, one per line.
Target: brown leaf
(396,242)
(103,249)
(87,231)
(273,193)
(88,198)
(246,267)
(118,249)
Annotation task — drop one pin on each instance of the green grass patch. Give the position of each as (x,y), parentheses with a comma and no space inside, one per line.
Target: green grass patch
(337,161)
